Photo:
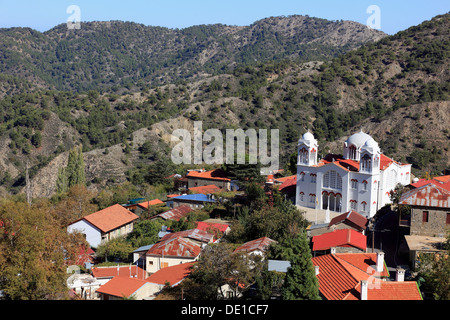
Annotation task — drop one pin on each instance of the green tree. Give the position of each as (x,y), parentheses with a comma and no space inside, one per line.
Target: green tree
(34,251)
(74,173)
(117,248)
(300,282)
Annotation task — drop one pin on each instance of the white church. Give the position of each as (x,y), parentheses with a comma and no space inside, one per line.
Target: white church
(359,180)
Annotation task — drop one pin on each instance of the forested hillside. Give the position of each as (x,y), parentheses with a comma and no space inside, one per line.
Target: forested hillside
(113,54)
(395,89)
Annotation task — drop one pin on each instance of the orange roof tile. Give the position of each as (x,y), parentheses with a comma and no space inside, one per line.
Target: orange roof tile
(172,275)
(216,174)
(205,189)
(121,286)
(153,202)
(111,218)
(388,290)
(340,273)
(443,179)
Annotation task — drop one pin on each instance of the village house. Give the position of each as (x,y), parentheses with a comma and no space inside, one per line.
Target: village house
(198,178)
(429,220)
(145,205)
(217,229)
(119,288)
(104,225)
(361,276)
(104,274)
(209,189)
(176,248)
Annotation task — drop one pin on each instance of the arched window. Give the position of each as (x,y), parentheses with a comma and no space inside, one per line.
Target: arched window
(303,156)
(352,152)
(366,163)
(332,180)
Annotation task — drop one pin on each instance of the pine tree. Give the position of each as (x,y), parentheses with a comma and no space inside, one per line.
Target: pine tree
(300,282)
(73,174)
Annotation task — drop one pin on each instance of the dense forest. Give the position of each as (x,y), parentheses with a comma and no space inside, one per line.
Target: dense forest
(399,82)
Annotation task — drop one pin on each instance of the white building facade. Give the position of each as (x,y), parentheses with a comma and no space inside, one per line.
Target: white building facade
(360,180)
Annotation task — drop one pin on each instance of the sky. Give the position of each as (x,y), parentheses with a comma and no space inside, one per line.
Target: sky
(42,15)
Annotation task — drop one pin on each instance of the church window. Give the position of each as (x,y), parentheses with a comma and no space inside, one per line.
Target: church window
(352,152)
(313,178)
(332,180)
(354,184)
(366,163)
(364,204)
(364,185)
(303,156)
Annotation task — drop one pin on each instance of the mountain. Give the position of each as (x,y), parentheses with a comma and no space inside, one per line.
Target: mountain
(396,89)
(106,54)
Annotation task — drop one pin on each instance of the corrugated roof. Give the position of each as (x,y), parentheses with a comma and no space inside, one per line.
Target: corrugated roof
(194,234)
(129,271)
(339,238)
(429,195)
(261,244)
(175,214)
(176,247)
(111,218)
(195,197)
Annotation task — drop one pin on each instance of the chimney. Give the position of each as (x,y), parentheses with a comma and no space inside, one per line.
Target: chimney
(380,261)
(400,275)
(363,289)
(333,250)
(317,270)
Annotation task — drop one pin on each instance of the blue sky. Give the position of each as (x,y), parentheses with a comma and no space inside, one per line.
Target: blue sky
(42,15)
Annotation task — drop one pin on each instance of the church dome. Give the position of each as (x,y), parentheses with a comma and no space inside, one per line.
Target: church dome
(308,136)
(358,139)
(371,143)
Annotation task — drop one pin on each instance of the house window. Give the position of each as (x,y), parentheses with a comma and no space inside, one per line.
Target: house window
(424,216)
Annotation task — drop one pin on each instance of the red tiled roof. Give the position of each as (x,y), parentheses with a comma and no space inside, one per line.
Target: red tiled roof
(216,174)
(175,214)
(84,256)
(351,165)
(110,218)
(423,182)
(129,271)
(429,195)
(205,189)
(388,290)
(121,286)
(443,179)
(261,244)
(351,216)
(290,181)
(340,274)
(173,274)
(339,238)
(153,202)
